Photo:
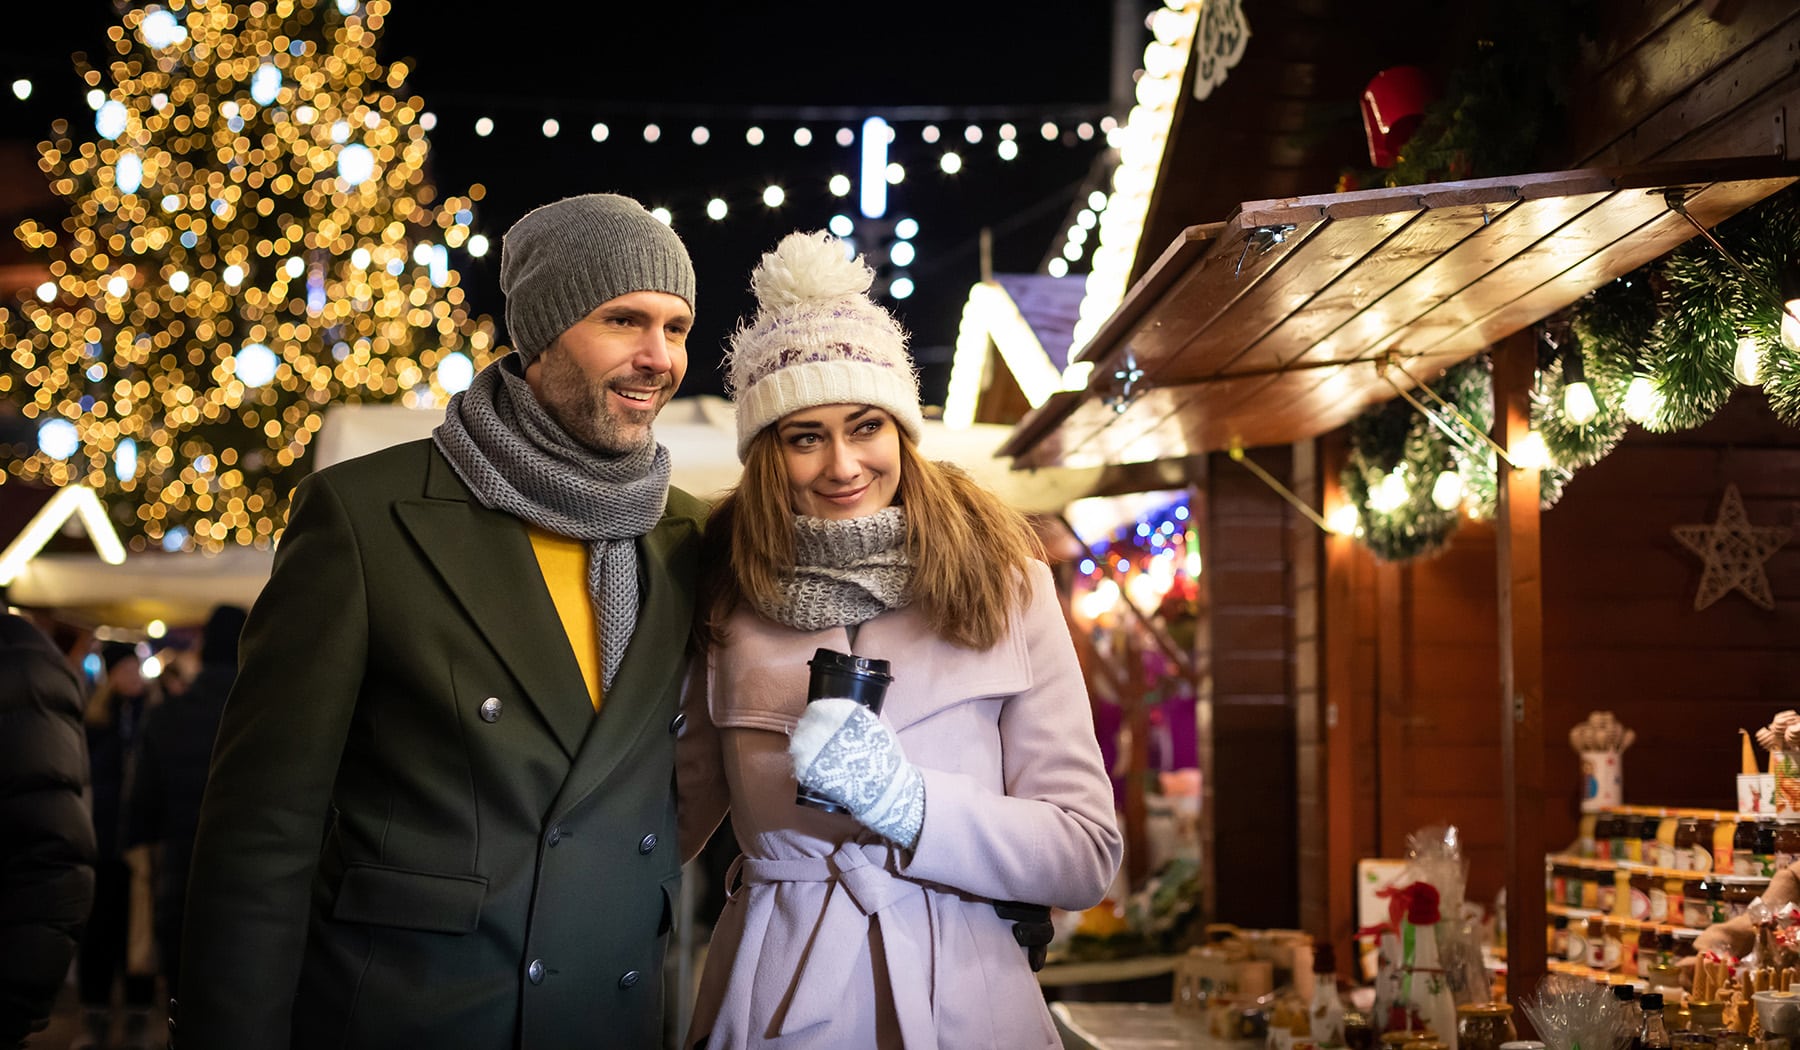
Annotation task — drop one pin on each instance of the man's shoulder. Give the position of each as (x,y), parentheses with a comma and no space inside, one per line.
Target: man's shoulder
(379,473)
(685,506)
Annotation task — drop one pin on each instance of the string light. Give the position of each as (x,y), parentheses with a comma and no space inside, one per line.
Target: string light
(839,185)
(753,135)
(21,89)
(1008,150)
(950,163)
(906,229)
(652,132)
(484,127)
(716,209)
(194,335)
(599,132)
(699,136)
(802,136)
(773,196)
(551,127)
(1746,364)
(930,134)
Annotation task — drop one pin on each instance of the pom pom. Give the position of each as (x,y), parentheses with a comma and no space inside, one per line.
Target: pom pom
(808,267)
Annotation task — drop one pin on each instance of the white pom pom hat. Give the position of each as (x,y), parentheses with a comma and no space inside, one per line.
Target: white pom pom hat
(818,339)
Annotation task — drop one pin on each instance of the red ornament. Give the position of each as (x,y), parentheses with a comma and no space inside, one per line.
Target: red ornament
(1392,106)
(1422,907)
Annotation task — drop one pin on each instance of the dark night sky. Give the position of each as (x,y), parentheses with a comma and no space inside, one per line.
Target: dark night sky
(724,66)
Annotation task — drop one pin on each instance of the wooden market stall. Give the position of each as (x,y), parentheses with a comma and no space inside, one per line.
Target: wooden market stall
(1348,701)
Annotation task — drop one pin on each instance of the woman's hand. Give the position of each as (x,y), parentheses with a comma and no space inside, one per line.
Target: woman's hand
(848,755)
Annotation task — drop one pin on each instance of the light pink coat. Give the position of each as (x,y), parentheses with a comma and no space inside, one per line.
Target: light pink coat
(833,939)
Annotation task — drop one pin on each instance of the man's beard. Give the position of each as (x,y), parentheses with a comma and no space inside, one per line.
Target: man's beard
(578,404)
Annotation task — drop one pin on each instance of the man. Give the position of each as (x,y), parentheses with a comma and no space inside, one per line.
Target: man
(169,773)
(46,835)
(441,809)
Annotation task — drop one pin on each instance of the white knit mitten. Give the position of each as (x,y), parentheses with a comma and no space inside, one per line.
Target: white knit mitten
(848,755)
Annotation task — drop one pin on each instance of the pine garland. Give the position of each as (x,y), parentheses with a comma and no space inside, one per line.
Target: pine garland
(1674,324)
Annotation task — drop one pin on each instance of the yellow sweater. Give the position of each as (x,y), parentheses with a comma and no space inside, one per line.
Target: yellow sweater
(564,563)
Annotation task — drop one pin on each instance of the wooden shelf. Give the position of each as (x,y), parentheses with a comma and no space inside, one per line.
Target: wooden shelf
(1635,924)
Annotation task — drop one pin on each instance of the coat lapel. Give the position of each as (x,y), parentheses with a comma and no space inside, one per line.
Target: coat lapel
(486,560)
(652,662)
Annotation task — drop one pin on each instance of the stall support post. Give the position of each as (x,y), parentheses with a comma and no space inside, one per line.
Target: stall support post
(1520,566)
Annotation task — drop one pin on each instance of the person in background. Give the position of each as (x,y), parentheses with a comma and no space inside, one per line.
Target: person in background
(979,783)
(114,717)
(46,833)
(441,809)
(163,805)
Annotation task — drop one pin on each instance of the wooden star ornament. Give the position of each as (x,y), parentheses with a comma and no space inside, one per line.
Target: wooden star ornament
(1734,552)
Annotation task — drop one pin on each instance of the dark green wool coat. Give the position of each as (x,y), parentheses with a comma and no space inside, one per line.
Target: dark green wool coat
(498,865)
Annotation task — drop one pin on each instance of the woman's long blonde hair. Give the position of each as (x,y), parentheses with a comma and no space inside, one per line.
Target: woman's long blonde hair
(970,551)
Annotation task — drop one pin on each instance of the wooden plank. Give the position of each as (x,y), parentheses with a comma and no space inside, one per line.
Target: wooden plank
(1232,268)
(1392,620)
(1338,246)
(1681,53)
(1626,24)
(1344,763)
(1720,97)
(1626,232)
(1766,124)
(1521,713)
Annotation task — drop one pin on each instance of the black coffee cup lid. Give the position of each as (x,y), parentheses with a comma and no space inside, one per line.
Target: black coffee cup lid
(837,661)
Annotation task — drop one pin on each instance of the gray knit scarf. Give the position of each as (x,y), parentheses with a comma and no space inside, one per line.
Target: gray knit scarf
(515,458)
(845,572)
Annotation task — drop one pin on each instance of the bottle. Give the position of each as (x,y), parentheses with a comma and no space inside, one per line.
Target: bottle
(1743,849)
(1653,1034)
(1325,1015)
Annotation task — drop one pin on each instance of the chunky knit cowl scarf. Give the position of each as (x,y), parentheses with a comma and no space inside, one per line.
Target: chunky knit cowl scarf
(845,572)
(515,458)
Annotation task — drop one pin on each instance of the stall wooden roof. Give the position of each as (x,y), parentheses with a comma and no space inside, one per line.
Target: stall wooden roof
(1267,328)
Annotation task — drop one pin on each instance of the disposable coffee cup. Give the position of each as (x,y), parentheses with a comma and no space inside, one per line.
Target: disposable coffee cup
(857,678)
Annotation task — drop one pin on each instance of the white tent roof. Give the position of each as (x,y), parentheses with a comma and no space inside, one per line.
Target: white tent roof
(699,432)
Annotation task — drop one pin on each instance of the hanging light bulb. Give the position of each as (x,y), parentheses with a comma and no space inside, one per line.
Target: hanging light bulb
(1746,365)
(1447,490)
(1578,404)
(1390,493)
(1642,401)
(1531,453)
(1342,519)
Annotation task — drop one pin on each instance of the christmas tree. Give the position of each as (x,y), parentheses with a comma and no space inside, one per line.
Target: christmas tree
(251,239)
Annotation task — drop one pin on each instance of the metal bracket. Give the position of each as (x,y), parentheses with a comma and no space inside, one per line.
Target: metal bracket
(1128,375)
(1262,238)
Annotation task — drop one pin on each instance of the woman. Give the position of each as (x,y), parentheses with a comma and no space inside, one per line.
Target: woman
(980,780)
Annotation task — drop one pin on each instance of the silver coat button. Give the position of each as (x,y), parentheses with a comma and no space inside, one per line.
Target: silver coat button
(535,971)
(679,721)
(555,834)
(630,978)
(647,843)
(490,709)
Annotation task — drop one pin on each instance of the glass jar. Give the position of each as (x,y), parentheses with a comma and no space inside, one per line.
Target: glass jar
(1606,890)
(1619,950)
(1687,832)
(1606,827)
(1743,848)
(1640,896)
(1702,859)
(1724,837)
(1559,884)
(1787,845)
(1557,947)
(1715,899)
(1648,825)
(1575,946)
(1590,890)
(1666,826)
(1626,843)
(1646,952)
(1696,906)
(1596,943)
(1705,1016)
(1765,849)
(1675,889)
(1484,1026)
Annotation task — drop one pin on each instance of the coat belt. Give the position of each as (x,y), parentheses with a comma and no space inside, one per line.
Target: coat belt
(861,889)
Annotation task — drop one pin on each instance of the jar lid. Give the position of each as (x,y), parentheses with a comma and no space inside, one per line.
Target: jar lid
(1485,1009)
(1522,1044)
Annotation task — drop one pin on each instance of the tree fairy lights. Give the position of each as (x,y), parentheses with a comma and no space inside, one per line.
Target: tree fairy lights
(251,238)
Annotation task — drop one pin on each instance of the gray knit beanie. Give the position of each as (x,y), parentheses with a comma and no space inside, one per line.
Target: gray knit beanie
(562,260)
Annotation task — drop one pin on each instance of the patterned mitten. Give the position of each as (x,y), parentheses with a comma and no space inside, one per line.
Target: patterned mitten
(848,755)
